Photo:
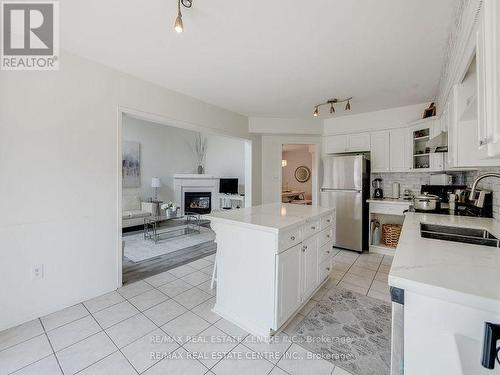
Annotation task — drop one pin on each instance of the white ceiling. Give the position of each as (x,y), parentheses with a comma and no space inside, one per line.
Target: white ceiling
(270,58)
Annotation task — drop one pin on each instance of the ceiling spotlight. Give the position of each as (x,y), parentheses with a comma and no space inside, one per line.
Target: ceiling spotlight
(348,106)
(179,26)
(331,102)
(178,23)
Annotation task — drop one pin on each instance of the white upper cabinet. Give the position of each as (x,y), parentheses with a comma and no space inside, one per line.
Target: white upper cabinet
(336,144)
(380,152)
(358,142)
(448,123)
(488,83)
(400,158)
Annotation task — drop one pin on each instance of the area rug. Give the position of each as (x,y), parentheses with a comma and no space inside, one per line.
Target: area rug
(351,330)
(138,249)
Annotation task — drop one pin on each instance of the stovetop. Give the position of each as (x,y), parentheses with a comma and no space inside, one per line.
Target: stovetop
(460,211)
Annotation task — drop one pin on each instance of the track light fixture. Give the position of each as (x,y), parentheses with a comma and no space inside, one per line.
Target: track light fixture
(179,26)
(331,102)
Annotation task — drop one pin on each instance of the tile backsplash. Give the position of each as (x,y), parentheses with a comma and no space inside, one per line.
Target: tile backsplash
(409,181)
(413,181)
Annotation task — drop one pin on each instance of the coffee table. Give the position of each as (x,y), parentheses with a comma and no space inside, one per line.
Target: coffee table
(155,227)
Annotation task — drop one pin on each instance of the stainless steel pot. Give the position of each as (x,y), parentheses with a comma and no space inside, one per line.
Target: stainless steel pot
(426,202)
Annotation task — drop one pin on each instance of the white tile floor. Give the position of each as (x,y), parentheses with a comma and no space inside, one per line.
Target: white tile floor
(164,324)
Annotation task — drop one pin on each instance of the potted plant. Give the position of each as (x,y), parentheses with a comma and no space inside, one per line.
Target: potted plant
(170,209)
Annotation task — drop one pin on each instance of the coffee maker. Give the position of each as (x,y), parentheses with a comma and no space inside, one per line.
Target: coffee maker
(377,188)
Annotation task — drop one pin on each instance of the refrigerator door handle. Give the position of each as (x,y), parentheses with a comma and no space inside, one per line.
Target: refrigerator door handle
(325,190)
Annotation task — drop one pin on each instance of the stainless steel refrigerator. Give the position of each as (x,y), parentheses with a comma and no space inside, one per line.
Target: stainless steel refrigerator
(345,187)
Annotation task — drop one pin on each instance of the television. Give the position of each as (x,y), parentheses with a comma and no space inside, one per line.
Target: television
(228,186)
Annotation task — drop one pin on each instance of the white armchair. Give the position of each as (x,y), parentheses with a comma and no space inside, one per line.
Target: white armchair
(134,211)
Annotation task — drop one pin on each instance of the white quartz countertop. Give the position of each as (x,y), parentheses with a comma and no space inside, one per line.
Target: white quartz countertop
(401,201)
(270,217)
(460,273)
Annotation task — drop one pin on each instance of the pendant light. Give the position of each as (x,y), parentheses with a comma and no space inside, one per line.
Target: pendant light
(179,25)
(348,105)
(331,102)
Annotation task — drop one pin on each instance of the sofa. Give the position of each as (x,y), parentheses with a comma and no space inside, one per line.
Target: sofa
(134,211)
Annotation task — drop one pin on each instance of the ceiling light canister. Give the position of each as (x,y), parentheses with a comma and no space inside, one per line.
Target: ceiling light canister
(348,106)
(316,112)
(179,26)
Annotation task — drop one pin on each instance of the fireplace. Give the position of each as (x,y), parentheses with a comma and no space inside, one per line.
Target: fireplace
(198,202)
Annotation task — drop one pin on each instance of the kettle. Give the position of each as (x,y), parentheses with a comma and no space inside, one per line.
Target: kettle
(377,188)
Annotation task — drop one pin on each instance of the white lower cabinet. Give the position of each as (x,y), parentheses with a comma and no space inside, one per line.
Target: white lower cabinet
(302,268)
(288,282)
(309,262)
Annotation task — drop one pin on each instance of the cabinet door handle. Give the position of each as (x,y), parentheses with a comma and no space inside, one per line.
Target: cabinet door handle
(328,220)
(304,248)
(313,228)
(328,268)
(482,142)
(327,236)
(292,238)
(328,251)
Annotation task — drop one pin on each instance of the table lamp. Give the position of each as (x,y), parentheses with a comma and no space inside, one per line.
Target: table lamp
(155,184)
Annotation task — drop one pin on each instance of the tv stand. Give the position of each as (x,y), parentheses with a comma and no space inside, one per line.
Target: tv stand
(231,201)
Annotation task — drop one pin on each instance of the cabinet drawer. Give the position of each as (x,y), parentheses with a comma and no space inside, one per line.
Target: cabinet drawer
(324,269)
(310,228)
(326,221)
(290,238)
(325,251)
(325,236)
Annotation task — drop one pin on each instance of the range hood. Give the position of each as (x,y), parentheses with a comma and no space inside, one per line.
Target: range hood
(439,143)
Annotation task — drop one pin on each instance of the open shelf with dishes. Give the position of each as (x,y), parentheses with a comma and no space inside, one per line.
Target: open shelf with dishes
(421,155)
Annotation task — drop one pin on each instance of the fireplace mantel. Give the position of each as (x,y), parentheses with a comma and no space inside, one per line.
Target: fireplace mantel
(184,183)
(194,177)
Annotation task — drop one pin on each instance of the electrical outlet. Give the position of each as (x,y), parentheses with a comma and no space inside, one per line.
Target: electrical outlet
(37,272)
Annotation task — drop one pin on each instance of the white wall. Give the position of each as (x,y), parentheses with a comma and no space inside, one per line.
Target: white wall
(373,121)
(272,146)
(268,125)
(295,159)
(59,159)
(226,158)
(166,151)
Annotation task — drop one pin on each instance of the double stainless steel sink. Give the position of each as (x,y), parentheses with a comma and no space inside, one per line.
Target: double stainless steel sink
(459,234)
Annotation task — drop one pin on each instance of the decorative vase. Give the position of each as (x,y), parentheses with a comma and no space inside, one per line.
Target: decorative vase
(171,212)
(200,169)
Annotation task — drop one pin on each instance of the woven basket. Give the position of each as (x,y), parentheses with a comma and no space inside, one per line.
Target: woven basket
(390,234)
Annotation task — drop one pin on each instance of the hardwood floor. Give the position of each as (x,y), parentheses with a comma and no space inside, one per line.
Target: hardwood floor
(137,271)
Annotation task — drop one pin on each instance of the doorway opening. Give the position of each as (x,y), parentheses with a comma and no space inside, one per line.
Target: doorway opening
(298,166)
(165,190)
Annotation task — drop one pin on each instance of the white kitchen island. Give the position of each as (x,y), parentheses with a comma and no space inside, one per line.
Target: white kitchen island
(270,261)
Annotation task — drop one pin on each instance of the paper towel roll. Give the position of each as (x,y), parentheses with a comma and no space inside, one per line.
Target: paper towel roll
(395,190)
